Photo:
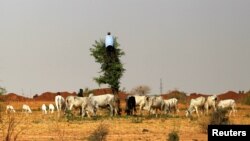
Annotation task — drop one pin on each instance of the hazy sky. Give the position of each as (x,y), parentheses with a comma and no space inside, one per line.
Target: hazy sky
(194,46)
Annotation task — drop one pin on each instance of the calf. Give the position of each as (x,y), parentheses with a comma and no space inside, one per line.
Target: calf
(26,109)
(9,108)
(51,108)
(44,109)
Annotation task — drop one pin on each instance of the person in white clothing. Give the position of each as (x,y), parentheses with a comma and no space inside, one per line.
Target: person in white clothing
(109,44)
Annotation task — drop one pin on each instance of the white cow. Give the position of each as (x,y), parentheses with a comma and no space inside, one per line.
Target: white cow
(228,103)
(80,102)
(26,109)
(141,102)
(154,104)
(44,109)
(9,108)
(104,101)
(51,108)
(60,102)
(211,102)
(171,104)
(199,102)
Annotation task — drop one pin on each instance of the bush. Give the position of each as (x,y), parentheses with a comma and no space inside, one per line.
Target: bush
(247,100)
(69,116)
(12,128)
(173,136)
(219,117)
(216,118)
(99,134)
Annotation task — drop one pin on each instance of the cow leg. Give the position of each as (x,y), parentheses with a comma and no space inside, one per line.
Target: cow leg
(196,110)
(206,108)
(230,112)
(214,107)
(141,107)
(111,110)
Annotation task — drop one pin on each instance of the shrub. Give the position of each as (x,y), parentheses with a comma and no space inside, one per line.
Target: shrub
(99,134)
(219,117)
(216,118)
(69,116)
(247,100)
(173,136)
(12,128)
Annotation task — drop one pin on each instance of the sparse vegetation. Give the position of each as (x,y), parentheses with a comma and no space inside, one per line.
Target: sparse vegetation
(218,117)
(141,90)
(203,123)
(12,128)
(44,127)
(174,134)
(181,96)
(99,134)
(2,91)
(59,130)
(247,99)
(137,120)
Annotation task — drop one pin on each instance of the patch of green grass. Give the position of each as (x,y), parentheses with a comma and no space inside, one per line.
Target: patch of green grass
(137,120)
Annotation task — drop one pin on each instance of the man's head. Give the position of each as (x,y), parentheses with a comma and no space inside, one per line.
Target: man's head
(108,33)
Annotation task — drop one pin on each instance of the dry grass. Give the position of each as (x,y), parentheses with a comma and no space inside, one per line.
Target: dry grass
(52,127)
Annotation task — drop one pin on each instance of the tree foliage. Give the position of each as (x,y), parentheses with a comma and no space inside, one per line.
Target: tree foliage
(111,68)
(2,91)
(141,90)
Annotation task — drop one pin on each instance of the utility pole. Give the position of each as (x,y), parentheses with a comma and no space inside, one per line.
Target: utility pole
(160,86)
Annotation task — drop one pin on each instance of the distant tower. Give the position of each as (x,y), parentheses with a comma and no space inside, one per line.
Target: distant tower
(160,86)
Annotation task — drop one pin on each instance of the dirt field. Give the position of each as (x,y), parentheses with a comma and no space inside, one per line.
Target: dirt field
(55,127)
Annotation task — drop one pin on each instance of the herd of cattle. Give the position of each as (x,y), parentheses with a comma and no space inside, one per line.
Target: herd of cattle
(152,104)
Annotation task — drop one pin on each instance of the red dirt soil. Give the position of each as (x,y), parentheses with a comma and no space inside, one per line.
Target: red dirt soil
(13,97)
(50,96)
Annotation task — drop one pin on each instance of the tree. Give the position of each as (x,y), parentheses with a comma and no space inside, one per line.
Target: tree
(111,68)
(2,91)
(141,90)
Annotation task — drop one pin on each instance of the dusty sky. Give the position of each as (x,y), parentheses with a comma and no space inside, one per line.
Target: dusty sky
(193,46)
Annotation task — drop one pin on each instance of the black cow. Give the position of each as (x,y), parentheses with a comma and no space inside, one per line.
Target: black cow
(130,105)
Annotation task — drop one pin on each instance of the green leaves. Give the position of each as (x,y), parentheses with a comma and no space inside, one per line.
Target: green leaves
(2,91)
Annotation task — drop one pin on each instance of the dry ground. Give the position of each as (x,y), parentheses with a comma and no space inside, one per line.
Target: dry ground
(55,127)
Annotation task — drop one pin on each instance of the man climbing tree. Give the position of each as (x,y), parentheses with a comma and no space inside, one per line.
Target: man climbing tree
(111,68)
(109,44)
